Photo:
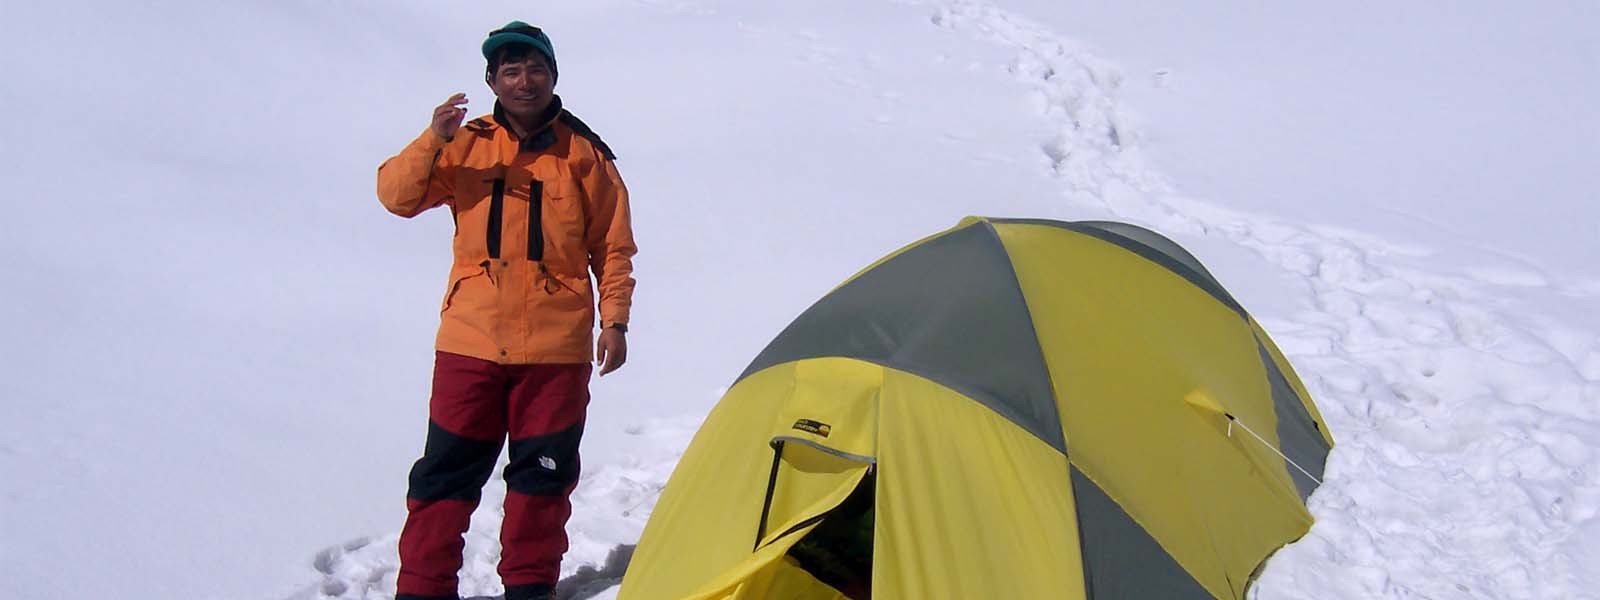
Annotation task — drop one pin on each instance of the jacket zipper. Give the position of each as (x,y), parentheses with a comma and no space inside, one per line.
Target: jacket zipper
(536,220)
(497,201)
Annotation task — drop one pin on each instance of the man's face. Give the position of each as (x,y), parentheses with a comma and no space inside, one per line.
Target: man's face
(524,87)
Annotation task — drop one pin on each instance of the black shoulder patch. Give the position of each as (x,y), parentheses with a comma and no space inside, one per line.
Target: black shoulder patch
(479,125)
(580,128)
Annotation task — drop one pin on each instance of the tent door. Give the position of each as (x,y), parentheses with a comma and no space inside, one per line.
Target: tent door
(802,471)
(838,550)
(807,483)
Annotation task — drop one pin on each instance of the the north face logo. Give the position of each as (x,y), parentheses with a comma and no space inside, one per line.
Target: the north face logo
(810,426)
(548,463)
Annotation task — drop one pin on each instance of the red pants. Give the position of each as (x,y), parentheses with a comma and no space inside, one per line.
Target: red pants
(476,404)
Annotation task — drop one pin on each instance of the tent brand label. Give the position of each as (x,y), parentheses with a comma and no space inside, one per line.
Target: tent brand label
(810,426)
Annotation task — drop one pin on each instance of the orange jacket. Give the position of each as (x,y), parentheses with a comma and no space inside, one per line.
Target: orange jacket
(533,219)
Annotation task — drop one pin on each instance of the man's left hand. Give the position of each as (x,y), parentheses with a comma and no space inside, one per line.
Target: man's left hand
(611,350)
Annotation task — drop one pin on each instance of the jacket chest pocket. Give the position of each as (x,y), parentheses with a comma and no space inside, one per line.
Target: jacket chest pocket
(562,225)
(479,205)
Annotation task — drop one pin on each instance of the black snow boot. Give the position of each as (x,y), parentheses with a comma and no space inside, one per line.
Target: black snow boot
(532,591)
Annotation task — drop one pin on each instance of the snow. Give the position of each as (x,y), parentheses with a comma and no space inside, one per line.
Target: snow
(217,345)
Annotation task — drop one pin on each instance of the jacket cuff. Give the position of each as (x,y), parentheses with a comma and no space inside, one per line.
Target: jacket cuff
(612,311)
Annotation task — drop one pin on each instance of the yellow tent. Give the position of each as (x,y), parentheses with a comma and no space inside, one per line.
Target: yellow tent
(1006,409)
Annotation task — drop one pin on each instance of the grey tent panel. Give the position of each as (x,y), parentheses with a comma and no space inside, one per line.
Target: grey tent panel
(1148,244)
(1120,558)
(950,310)
(1298,434)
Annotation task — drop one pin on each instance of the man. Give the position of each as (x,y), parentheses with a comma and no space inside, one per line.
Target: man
(538,205)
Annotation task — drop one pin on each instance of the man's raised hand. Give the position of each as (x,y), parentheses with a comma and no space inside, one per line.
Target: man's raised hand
(447,117)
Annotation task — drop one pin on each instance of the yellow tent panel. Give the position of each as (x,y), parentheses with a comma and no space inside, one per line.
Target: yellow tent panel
(1007,409)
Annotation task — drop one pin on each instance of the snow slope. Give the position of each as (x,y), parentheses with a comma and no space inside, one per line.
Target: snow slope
(217,351)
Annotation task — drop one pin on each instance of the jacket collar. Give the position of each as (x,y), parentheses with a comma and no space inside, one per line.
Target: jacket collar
(541,138)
